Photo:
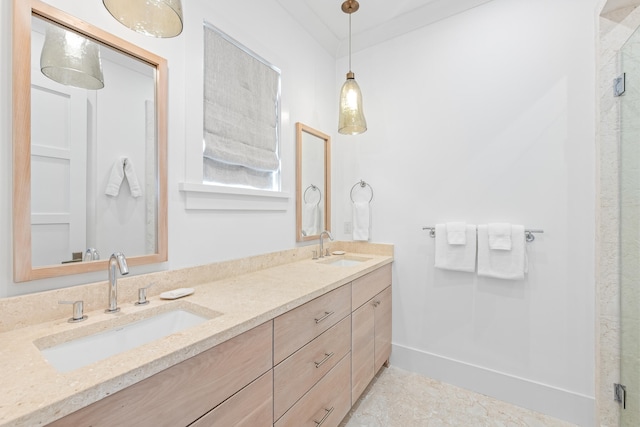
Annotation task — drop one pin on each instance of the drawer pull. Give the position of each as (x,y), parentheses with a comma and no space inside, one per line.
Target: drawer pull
(326,314)
(376,303)
(327,356)
(329,411)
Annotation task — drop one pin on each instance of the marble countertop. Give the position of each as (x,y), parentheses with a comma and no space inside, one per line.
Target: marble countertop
(32,392)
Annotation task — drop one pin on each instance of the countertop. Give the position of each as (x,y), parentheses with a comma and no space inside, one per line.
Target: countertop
(32,392)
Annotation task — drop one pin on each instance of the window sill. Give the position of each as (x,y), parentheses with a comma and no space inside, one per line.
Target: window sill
(214,197)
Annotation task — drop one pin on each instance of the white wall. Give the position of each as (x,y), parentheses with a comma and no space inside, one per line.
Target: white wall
(196,237)
(486,117)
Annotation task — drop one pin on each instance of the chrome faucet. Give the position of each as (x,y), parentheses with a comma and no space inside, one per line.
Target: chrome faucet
(119,260)
(328,233)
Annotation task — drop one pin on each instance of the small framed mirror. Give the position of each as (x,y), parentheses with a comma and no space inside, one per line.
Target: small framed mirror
(313,182)
(89,147)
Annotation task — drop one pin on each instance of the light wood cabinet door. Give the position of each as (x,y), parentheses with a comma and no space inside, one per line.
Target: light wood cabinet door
(297,327)
(382,305)
(362,348)
(184,392)
(250,407)
(304,368)
(326,404)
(371,340)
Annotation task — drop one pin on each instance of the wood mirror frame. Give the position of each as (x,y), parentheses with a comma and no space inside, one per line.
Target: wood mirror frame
(301,130)
(23,270)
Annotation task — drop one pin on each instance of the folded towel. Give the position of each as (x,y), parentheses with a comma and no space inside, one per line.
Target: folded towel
(361,220)
(132,179)
(456,257)
(115,178)
(499,236)
(121,168)
(309,219)
(500,263)
(457,233)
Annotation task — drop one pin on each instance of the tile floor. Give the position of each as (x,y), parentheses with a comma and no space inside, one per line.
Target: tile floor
(397,398)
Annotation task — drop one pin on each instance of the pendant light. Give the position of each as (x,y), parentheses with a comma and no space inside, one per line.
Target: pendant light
(157,18)
(351,119)
(71,59)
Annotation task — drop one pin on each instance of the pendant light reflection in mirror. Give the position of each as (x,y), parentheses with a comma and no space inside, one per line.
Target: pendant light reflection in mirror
(156,18)
(71,59)
(351,119)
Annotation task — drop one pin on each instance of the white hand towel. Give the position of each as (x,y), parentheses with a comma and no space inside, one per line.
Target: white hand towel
(132,179)
(502,264)
(499,236)
(115,178)
(309,219)
(457,233)
(361,221)
(456,257)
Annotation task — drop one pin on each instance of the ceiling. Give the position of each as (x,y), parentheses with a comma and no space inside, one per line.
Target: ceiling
(375,22)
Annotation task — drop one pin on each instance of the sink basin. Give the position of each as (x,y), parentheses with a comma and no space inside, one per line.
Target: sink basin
(79,352)
(348,261)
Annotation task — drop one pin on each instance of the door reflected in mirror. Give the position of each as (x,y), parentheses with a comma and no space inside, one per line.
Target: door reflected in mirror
(313,182)
(89,163)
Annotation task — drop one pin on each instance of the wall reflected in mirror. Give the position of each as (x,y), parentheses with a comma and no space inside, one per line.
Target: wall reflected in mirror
(313,182)
(85,143)
(89,147)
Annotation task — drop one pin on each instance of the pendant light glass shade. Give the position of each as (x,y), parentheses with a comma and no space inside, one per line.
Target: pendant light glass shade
(71,59)
(157,18)
(351,120)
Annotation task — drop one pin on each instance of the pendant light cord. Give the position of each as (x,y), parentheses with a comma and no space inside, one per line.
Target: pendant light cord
(349,42)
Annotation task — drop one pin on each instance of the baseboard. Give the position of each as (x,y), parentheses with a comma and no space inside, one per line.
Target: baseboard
(558,403)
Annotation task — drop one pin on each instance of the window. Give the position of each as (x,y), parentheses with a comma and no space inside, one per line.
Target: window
(241,141)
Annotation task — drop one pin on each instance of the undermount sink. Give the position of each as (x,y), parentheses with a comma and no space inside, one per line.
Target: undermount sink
(348,261)
(79,352)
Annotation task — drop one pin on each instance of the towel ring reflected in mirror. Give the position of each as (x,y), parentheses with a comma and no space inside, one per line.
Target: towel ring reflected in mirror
(314,188)
(362,184)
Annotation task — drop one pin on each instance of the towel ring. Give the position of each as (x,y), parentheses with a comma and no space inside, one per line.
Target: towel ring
(314,188)
(362,184)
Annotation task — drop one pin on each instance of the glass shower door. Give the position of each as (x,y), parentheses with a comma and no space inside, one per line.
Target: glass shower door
(630,231)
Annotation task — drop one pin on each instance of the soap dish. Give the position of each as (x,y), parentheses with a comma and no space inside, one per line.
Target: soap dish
(177,293)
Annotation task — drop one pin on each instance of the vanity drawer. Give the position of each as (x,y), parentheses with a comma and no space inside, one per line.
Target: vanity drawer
(326,404)
(250,407)
(184,392)
(297,327)
(366,287)
(302,370)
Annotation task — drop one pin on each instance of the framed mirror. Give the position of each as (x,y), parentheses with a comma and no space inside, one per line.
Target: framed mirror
(313,182)
(89,164)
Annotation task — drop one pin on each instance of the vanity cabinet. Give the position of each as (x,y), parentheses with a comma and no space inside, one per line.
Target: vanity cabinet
(303,368)
(371,327)
(183,393)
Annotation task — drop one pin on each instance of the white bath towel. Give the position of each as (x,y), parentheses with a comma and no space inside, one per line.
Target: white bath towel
(456,257)
(121,168)
(361,221)
(502,264)
(499,236)
(309,219)
(456,233)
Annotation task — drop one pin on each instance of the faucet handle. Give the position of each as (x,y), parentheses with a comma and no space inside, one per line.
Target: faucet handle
(78,308)
(142,295)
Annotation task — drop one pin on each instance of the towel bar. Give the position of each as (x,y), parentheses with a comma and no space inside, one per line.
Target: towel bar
(528,234)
